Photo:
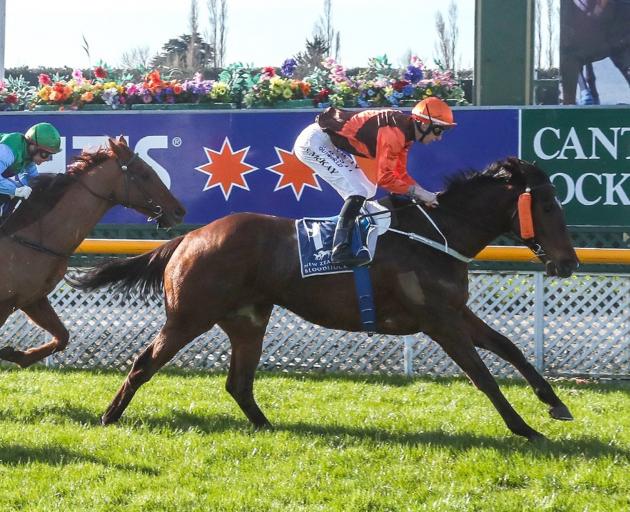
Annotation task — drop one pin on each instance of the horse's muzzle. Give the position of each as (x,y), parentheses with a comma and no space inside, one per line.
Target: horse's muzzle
(170,219)
(563,268)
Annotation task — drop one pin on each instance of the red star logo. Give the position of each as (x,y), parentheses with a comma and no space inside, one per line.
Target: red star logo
(293,173)
(226,168)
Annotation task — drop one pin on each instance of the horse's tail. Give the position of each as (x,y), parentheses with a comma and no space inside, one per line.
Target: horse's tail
(143,274)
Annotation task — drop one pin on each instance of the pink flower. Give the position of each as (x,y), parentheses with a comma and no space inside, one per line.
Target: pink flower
(77,74)
(132,89)
(44,79)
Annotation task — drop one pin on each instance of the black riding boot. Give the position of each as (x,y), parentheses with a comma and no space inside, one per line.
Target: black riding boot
(342,241)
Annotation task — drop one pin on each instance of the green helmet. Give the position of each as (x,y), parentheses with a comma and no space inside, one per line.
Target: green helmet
(44,136)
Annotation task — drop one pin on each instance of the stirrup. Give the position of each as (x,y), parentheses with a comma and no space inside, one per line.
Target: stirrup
(343,255)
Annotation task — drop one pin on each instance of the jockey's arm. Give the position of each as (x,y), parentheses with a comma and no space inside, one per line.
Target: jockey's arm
(7,185)
(391,161)
(27,174)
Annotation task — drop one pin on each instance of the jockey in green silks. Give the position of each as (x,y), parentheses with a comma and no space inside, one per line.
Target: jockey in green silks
(20,154)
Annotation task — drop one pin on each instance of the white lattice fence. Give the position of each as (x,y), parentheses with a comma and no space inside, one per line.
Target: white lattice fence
(579,325)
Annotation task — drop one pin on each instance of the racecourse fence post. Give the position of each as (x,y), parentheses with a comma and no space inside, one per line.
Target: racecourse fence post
(539,321)
(408,342)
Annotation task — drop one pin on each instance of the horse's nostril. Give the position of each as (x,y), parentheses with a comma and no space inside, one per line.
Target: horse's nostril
(180,212)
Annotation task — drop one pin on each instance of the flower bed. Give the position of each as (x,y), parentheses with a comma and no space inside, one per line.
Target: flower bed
(378,85)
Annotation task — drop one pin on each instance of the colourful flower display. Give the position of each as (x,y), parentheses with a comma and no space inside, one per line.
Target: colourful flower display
(378,85)
(8,98)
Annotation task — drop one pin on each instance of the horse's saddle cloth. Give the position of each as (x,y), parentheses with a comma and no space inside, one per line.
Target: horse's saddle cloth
(315,239)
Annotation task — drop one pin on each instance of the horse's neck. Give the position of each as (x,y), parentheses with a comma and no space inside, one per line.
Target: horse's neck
(467,227)
(70,221)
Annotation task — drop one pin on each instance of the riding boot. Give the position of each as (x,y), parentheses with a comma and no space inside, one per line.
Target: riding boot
(342,240)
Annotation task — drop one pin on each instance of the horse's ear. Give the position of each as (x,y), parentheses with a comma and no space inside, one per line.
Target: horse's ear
(513,163)
(122,141)
(115,146)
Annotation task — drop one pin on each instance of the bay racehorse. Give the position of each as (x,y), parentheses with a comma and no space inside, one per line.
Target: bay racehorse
(592,30)
(43,232)
(231,273)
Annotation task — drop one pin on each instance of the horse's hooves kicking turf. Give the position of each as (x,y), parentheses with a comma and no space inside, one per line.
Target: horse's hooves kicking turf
(560,412)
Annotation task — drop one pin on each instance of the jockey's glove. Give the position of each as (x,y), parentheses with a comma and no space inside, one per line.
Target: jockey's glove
(424,196)
(23,192)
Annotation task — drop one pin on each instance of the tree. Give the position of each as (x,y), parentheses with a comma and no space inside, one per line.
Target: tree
(218,30)
(175,54)
(552,22)
(311,59)
(192,59)
(136,58)
(538,34)
(325,30)
(446,46)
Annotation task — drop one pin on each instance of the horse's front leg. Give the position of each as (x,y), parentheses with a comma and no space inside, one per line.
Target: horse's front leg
(452,333)
(42,313)
(485,337)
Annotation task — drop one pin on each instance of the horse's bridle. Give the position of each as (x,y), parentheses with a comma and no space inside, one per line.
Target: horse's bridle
(531,243)
(156,209)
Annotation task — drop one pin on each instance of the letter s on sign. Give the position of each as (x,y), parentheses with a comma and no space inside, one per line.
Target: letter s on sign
(154,142)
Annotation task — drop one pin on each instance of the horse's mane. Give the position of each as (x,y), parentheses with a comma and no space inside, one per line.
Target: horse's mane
(463,183)
(48,189)
(497,172)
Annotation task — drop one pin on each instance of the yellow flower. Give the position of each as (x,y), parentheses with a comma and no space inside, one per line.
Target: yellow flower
(220,89)
(287,93)
(44,93)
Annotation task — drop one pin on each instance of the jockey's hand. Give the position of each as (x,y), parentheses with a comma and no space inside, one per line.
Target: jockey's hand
(424,196)
(23,192)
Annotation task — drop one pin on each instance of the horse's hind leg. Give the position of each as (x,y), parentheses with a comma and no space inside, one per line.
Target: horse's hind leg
(43,314)
(485,337)
(171,338)
(246,329)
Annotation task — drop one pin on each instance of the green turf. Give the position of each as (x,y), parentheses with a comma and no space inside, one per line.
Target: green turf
(339,443)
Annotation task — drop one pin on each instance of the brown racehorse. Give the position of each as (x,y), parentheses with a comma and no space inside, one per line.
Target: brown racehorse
(232,272)
(39,237)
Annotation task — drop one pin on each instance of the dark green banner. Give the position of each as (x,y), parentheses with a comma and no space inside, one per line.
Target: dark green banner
(586,152)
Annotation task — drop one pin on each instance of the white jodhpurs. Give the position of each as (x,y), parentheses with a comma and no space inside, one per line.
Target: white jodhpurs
(314,148)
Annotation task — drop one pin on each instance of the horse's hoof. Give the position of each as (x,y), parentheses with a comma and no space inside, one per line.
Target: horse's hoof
(535,436)
(8,354)
(263,426)
(560,412)
(105,420)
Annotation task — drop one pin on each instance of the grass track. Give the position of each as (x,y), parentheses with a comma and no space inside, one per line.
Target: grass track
(339,443)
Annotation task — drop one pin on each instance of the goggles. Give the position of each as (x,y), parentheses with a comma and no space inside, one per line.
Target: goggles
(45,155)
